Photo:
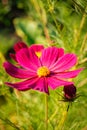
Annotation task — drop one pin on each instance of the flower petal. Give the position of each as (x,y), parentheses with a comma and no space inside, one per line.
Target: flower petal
(27,59)
(37,48)
(69,74)
(17,72)
(41,85)
(35,83)
(19,46)
(24,85)
(50,55)
(64,63)
(60,52)
(54,82)
(13,57)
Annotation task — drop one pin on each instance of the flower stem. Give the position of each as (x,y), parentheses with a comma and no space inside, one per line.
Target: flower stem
(80,27)
(7,121)
(46,112)
(53,115)
(62,121)
(43,18)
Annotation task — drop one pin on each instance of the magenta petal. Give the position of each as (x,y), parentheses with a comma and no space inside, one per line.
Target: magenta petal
(17,86)
(64,63)
(70,74)
(24,85)
(37,48)
(41,85)
(17,72)
(50,55)
(60,52)
(35,83)
(54,82)
(27,59)
(13,57)
(19,46)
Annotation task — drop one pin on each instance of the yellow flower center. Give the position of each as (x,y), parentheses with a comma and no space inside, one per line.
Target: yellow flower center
(43,71)
(38,53)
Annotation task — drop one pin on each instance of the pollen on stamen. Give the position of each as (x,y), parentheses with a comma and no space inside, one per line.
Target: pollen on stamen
(43,71)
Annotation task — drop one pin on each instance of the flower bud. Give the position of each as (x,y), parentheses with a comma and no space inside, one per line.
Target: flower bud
(69,92)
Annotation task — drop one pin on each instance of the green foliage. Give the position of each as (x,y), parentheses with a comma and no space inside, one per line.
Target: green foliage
(29,31)
(49,22)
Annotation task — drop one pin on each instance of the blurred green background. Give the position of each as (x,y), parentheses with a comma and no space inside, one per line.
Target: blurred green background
(61,23)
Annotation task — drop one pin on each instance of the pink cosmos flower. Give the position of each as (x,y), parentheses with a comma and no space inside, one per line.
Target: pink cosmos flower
(41,67)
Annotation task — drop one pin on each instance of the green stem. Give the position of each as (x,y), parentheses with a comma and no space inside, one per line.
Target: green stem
(62,121)
(7,121)
(80,28)
(43,18)
(46,112)
(83,43)
(51,12)
(53,115)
